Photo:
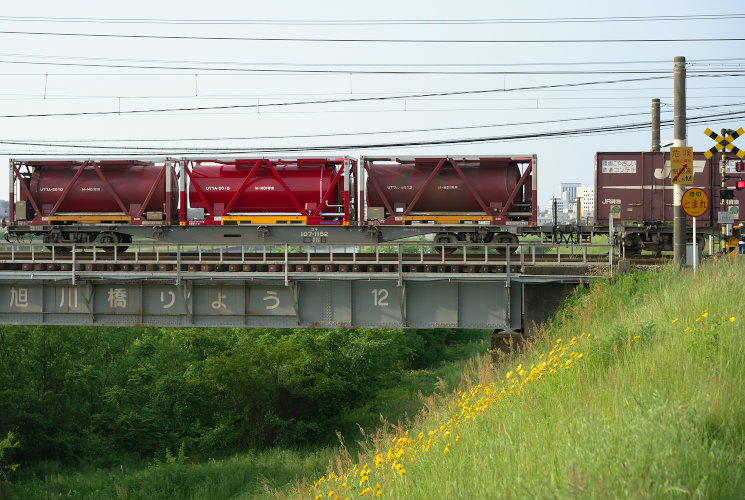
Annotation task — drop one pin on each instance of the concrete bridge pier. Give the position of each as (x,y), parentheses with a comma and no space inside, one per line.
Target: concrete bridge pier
(540,302)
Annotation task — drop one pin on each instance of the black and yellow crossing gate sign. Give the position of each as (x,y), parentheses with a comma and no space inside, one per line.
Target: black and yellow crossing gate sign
(724,143)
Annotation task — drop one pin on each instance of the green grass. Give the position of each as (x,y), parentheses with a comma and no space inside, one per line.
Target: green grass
(655,408)
(244,475)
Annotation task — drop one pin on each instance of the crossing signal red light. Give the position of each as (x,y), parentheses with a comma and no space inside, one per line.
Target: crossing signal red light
(740,185)
(740,167)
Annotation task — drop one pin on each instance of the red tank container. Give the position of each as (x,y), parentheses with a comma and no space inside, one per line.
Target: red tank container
(311,191)
(263,193)
(66,190)
(429,187)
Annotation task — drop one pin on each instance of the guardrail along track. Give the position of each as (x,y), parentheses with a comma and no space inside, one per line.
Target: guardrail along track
(416,257)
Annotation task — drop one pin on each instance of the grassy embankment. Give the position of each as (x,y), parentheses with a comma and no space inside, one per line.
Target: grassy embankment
(641,398)
(636,391)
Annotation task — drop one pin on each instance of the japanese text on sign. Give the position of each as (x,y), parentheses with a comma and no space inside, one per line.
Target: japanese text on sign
(695,202)
(681,160)
(117,298)
(619,166)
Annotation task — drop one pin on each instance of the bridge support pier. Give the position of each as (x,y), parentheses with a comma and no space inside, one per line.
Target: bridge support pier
(541,301)
(504,342)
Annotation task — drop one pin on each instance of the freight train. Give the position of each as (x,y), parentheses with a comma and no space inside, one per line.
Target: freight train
(272,200)
(464,199)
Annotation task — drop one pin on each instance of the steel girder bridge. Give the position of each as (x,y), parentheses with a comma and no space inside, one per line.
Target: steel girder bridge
(402,285)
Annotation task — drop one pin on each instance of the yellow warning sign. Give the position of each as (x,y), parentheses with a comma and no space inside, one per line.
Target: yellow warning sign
(695,202)
(681,160)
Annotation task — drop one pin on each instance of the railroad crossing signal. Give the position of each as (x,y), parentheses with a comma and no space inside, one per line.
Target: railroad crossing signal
(724,143)
(681,160)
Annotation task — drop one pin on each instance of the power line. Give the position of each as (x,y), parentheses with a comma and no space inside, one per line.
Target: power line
(378,132)
(470,140)
(343,71)
(335,134)
(358,99)
(690,62)
(317,94)
(665,94)
(356,22)
(365,40)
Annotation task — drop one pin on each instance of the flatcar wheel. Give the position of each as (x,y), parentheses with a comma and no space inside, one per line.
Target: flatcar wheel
(123,238)
(447,239)
(107,242)
(632,245)
(54,244)
(506,239)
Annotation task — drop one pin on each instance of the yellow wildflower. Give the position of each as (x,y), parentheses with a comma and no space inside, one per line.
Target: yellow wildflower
(732,319)
(704,314)
(675,320)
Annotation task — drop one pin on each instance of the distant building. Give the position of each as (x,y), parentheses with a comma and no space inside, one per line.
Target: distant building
(4,210)
(587,195)
(566,205)
(568,190)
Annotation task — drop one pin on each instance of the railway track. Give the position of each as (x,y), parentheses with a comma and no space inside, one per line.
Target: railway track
(300,262)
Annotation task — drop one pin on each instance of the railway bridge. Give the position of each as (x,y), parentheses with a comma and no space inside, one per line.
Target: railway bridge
(402,285)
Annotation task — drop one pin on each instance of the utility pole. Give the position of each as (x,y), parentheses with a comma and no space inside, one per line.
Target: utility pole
(679,218)
(554,210)
(655,125)
(726,228)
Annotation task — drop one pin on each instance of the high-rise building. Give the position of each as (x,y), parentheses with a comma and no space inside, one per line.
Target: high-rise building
(568,190)
(587,194)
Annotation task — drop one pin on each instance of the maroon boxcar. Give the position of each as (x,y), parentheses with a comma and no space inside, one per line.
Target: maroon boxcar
(451,190)
(636,188)
(267,191)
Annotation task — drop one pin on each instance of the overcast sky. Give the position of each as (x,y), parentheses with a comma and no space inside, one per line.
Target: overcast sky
(50,70)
